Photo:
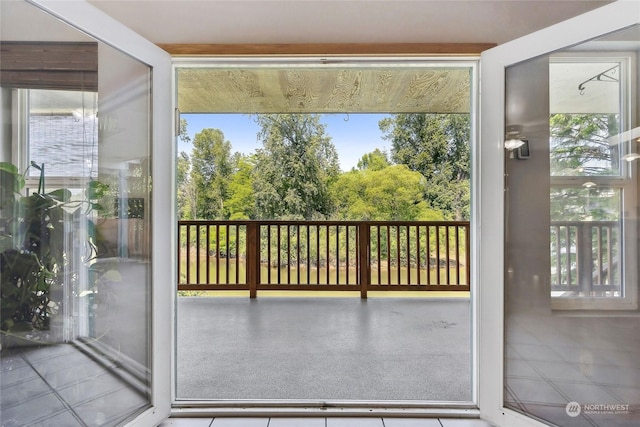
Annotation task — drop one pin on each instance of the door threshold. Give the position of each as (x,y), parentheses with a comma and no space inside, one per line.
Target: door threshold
(306,408)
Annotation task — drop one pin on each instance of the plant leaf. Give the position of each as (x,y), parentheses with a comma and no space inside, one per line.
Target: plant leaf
(62,195)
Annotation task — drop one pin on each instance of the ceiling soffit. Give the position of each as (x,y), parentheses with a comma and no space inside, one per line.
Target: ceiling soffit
(324,89)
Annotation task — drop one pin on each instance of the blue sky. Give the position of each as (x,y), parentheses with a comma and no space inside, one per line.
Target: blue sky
(353,135)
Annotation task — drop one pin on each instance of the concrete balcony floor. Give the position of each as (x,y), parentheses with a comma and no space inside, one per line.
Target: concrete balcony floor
(336,348)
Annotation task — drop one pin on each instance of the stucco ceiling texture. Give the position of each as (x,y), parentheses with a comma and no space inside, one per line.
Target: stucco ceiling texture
(318,90)
(329,21)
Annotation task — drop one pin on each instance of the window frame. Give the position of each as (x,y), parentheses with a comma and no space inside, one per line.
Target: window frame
(623,181)
(21,149)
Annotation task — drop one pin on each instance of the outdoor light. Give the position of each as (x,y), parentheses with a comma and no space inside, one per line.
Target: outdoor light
(632,154)
(512,144)
(513,139)
(589,184)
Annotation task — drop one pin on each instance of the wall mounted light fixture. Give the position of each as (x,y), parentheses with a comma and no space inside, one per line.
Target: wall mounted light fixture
(631,157)
(513,138)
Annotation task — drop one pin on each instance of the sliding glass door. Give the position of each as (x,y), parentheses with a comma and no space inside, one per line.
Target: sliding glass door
(81,339)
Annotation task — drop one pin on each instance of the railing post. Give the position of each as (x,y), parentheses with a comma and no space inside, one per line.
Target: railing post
(253,258)
(584,257)
(364,242)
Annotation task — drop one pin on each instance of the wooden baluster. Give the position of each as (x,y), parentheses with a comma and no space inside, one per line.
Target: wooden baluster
(253,257)
(208,257)
(408,256)
(418,267)
(188,254)
(448,254)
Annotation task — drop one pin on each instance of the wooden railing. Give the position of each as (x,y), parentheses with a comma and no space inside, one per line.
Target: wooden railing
(584,257)
(323,255)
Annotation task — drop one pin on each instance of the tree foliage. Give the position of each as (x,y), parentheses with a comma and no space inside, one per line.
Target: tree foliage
(295,167)
(580,147)
(211,169)
(184,188)
(393,193)
(580,144)
(241,202)
(295,174)
(376,160)
(437,146)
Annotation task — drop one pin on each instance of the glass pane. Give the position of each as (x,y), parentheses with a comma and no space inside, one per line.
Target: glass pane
(587,203)
(585,113)
(585,242)
(571,278)
(63,132)
(74,229)
(580,144)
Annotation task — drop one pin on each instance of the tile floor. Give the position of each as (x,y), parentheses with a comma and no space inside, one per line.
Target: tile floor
(323,422)
(62,386)
(549,365)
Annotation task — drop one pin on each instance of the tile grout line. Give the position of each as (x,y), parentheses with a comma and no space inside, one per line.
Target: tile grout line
(55,392)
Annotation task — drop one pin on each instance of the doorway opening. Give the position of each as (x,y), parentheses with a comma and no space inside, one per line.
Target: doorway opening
(307,276)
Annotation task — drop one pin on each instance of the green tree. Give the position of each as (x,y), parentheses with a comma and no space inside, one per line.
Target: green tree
(294,168)
(394,193)
(241,202)
(183,165)
(580,144)
(184,189)
(376,160)
(211,169)
(437,146)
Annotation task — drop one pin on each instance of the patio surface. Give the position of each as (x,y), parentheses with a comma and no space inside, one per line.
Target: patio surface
(324,348)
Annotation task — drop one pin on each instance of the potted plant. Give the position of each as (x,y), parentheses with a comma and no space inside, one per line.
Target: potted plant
(32,250)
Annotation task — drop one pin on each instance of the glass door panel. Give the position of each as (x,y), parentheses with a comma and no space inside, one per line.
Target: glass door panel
(75,229)
(571,221)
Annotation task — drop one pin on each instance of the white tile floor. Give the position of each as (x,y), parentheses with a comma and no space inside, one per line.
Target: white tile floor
(62,386)
(323,422)
(547,366)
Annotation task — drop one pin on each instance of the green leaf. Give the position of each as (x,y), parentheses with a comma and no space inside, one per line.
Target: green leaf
(62,195)
(96,190)
(8,167)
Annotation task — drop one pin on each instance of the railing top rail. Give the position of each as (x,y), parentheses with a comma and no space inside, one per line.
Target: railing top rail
(213,222)
(582,223)
(322,222)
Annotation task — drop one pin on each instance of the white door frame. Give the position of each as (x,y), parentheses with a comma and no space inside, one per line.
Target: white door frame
(102,27)
(490,207)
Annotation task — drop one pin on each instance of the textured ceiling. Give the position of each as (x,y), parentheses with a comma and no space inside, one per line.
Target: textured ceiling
(324,90)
